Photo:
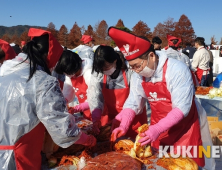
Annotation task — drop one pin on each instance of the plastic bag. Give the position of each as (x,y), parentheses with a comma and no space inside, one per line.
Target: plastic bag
(205,135)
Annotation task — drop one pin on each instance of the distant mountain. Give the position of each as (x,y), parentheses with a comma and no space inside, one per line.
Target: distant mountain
(19,29)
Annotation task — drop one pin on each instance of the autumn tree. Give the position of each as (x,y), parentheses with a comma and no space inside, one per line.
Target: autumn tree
(15,39)
(120,24)
(63,35)
(6,38)
(141,29)
(101,35)
(159,30)
(24,37)
(184,30)
(169,26)
(89,31)
(213,40)
(51,28)
(74,36)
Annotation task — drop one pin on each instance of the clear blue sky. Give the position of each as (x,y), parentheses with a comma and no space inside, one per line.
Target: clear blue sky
(205,15)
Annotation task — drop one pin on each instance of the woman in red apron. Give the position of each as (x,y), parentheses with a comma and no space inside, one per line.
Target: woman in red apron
(37,104)
(79,72)
(168,86)
(108,92)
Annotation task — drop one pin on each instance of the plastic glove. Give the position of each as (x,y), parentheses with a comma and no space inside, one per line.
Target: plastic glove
(116,121)
(79,108)
(127,118)
(115,124)
(96,127)
(96,117)
(86,140)
(172,118)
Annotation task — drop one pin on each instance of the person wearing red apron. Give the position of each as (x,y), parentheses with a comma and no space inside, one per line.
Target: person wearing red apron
(167,85)
(109,91)
(186,132)
(31,102)
(78,74)
(200,64)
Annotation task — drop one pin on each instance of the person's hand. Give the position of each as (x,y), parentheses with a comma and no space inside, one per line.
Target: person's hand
(96,127)
(117,133)
(71,110)
(86,140)
(149,136)
(115,124)
(91,141)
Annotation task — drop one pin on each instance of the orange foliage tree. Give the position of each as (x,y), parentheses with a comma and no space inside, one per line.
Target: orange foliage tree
(6,38)
(24,37)
(184,30)
(213,40)
(141,29)
(101,35)
(120,23)
(74,36)
(15,39)
(63,35)
(89,31)
(51,28)
(159,31)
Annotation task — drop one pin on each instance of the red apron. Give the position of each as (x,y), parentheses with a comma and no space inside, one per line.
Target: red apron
(186,132)
(27,150)
(114,101)
(199,72)
(80,88)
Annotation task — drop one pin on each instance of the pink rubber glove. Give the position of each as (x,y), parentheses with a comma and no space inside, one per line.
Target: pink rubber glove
(96,117)
(172,118)
(116,121)
(79,108)
(86,140)
(127,118)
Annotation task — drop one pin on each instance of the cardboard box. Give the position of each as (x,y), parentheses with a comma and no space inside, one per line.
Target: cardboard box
(212,119)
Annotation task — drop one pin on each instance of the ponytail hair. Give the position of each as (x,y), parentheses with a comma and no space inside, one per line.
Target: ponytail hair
(37,51)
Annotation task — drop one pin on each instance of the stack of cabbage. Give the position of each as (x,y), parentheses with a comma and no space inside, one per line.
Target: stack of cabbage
(215,92)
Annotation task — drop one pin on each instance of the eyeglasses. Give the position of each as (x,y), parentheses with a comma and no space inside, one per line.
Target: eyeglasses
(136,67)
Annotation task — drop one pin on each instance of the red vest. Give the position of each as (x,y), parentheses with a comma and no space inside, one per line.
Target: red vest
(186,132)
(114,101)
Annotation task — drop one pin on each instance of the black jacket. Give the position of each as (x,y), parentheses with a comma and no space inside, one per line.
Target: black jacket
(191,51)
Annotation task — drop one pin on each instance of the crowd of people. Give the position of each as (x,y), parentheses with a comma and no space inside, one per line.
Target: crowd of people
(39,79)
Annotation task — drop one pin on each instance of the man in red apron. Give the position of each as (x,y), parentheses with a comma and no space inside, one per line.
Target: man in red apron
(168,86)
(200,63)
(6,52)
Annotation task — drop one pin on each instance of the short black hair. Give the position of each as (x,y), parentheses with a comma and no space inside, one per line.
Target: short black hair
(200,41)
(107,54)
(156,40)
(69,63)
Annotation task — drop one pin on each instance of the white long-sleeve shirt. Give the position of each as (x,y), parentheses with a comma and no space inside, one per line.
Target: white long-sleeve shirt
(68,90)
(179,84)
(201,59)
